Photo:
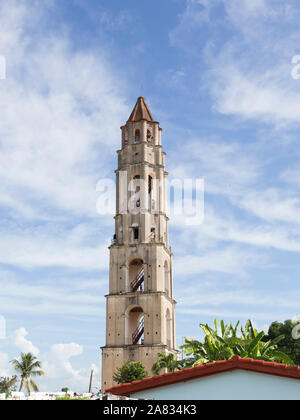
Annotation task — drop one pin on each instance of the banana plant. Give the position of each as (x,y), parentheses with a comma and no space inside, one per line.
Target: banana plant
(247,344)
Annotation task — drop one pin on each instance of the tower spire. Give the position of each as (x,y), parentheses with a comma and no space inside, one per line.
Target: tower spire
(141,111)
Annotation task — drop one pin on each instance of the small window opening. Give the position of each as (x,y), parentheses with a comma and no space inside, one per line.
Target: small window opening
(150,192)
(136,233)
(126,138)
(136,190)
(137,136)
(152,234)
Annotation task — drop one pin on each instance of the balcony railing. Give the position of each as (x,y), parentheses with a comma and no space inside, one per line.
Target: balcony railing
(138,332)
(138,281)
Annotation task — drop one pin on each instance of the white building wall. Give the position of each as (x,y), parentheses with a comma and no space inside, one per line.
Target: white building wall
(235,385)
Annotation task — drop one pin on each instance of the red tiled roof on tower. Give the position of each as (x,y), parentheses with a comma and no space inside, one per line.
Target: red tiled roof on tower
(141,111)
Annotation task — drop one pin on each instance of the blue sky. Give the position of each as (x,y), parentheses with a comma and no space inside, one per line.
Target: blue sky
(217,75)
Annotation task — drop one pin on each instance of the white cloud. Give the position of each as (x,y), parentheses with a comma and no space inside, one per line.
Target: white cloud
(272,206)
(66,296)
(23,344)
(59,108)
(56,364)
(232,44)
(236,175)
(236,314)
(62,108)
(59,371)
(4,365)
(264,97)
(221,227)
(241,11)
(246,86)
(195,13)
(291,176)
(61,354)
(230,260)
(53,246)
(226,228)
(226,166)
(210,294)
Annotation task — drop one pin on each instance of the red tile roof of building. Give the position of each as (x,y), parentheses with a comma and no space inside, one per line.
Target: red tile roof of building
(235,363)
(141,111)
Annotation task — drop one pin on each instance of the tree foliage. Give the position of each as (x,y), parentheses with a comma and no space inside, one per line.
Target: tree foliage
(228,341)
(7,385)
(28,366)
(129,372)
(166,361)
(288,345)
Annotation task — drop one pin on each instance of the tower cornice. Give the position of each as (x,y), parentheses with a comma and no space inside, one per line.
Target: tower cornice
(139,294)
(153,146)
(144,163)
(153,244)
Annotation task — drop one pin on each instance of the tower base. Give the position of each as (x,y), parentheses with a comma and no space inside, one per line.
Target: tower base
(114,357)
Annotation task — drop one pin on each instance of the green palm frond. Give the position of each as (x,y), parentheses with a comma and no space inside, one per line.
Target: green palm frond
(27,366)
(12,381)
(166,361)
(37,373)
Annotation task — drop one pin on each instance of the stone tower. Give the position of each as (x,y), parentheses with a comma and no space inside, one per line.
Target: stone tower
(140,310)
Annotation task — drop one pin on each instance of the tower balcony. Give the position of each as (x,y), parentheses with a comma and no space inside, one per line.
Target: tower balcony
(137,283)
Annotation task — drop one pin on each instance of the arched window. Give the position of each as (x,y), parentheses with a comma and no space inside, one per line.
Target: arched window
(136,190)
(134,325)
(152,233)
(136,275)
(137,136)
(149,136)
